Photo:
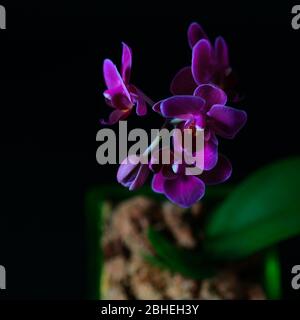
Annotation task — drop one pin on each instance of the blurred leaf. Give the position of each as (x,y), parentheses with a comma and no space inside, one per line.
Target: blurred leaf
(94,224)
(272,275)
(155,261)
(189,263)
(260,212)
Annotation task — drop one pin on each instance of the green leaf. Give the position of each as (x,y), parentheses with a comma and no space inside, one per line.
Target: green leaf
(189,263)
(260,212)
(155,261)
(94,224)
(272,275)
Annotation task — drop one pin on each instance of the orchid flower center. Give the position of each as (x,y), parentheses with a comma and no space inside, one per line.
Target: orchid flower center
(196,124)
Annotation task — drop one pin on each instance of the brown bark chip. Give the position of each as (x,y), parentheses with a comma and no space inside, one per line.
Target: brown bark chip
(127,275)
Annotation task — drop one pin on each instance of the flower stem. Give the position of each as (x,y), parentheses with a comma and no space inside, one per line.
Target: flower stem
(145,97)
(156,141)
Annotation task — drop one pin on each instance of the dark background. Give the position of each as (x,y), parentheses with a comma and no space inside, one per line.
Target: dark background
(51,100)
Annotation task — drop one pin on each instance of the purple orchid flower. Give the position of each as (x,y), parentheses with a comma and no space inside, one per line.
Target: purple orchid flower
(198,103)
(120,94)
(207,110)
(184,190)
(132,173)
(210,64)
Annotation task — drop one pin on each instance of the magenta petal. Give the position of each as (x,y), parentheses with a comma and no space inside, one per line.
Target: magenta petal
(111,74)
(210,154)
(121,101)
(126,63)
(128,166)
(213,137)
(141,106)
(220,173)
(113,80)
(158,183)
(226,121)
(156,107)
(155,163)
(185,190)
(178,140)
(182,107)
(221,52)
(119,97)
(115,116)
(140,178)
(168,172)
(211,94)
(183,82)
(202,61)
(132,174)
(109,93)
(195,33)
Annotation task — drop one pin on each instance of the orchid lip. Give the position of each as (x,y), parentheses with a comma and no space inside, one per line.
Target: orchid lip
(175,168)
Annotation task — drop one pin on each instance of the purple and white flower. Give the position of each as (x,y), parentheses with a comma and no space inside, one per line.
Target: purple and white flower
(121,95)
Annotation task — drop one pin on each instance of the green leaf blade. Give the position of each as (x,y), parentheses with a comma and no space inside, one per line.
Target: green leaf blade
(189,263)
(262,211)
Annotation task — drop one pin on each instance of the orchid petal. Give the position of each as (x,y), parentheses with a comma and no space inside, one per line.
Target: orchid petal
(121,102)
(113,78)
(158,183)
(211,94)
(202,61)
(111,74)
(220,173)
(115,116)
(126,168)
(210,154)
(183,82)
(141,106)
(131,173)
(195,33)
(140,178)
(182,107)
(226,121)
(184,190)
(126,63)
(118,98)
(157,107)
(221,51)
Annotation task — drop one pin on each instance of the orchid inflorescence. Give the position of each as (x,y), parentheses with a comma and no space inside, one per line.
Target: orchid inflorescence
(199,100)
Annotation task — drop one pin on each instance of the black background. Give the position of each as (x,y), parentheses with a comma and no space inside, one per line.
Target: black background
(51,101)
